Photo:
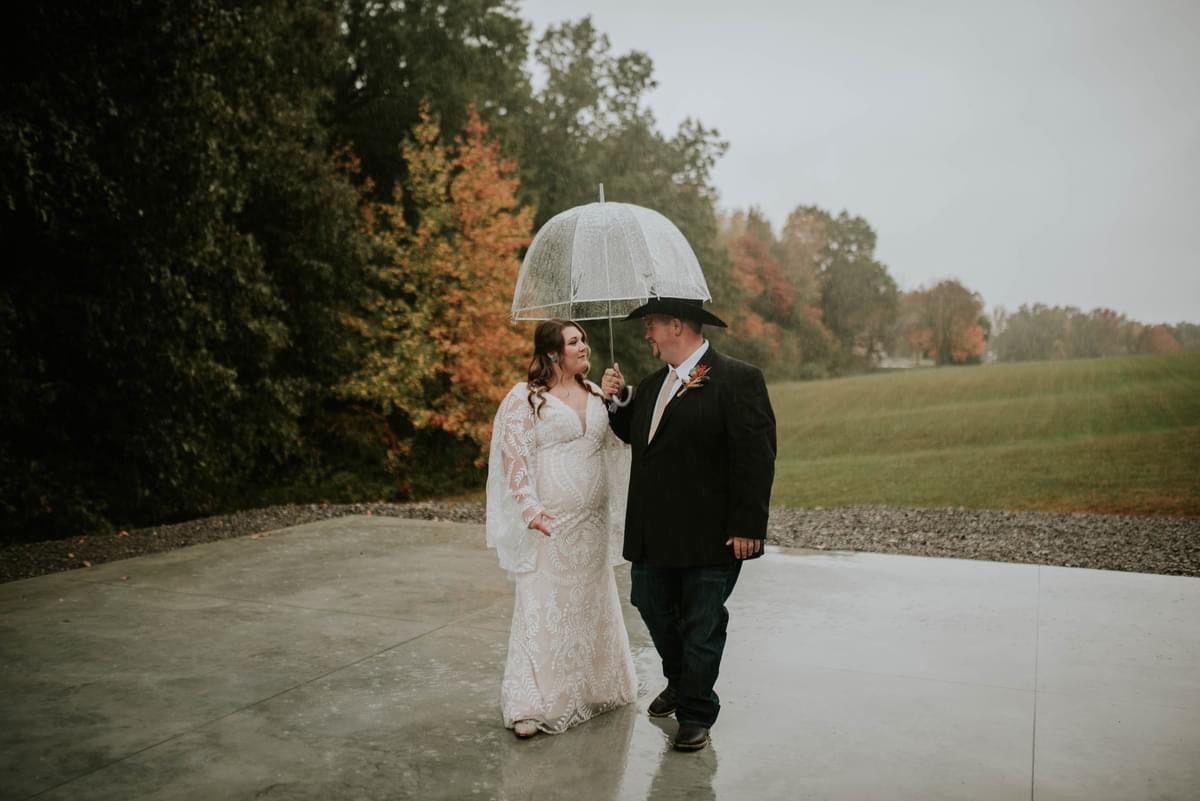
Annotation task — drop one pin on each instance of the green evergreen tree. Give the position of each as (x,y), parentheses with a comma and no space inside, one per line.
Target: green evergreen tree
(166,348)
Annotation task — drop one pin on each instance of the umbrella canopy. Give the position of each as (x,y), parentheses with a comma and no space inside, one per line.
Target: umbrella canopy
(603,260)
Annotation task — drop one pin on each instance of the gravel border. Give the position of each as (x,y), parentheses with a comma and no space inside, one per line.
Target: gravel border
(1141,544)
(1164,545)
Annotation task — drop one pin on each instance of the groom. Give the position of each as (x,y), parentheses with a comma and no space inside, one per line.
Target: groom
(703,437)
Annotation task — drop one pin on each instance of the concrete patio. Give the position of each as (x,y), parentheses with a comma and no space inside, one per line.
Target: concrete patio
(360,658)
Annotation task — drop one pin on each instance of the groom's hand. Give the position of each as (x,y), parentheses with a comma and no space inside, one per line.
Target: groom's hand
(613,383)
(745,547)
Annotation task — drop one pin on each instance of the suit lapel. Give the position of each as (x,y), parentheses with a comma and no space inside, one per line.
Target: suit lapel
(707,359)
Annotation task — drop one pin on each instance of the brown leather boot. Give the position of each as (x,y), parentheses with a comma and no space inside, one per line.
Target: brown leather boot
(690,737)
(664,704)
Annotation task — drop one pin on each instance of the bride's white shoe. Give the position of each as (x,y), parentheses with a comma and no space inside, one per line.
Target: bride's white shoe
(525,728)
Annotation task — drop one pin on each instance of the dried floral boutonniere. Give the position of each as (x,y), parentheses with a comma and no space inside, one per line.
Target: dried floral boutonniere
(697,378)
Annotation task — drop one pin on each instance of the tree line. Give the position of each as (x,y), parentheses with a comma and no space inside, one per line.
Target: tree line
(815,301)
(1040,332)
(264,252)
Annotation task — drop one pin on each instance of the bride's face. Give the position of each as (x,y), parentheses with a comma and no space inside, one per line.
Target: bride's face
(575,352)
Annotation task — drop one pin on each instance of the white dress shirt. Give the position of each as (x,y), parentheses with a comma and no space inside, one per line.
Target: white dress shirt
(687,365)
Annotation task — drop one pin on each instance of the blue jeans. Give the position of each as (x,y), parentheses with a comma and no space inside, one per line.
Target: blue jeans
(684,609)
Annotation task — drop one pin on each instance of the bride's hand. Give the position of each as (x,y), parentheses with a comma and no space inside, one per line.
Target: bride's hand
(541,523)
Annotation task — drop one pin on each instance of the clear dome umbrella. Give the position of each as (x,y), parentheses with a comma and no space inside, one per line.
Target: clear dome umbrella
(603,260)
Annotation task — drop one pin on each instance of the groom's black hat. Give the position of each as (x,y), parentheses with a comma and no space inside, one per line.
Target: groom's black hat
(683,308)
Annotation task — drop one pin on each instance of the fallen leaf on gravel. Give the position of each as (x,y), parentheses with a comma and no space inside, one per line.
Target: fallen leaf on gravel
(86,563)
(262,535)
(70,556)
(124,578)
(122,533)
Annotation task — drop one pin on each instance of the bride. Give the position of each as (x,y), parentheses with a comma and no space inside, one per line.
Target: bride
(556,488)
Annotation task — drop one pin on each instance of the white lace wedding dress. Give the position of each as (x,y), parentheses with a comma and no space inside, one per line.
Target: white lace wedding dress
(568,652)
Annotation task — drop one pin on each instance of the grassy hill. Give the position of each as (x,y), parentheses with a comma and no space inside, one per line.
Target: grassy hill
(1118,435)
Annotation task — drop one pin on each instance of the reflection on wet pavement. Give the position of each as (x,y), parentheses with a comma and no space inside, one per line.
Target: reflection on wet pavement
(603,760)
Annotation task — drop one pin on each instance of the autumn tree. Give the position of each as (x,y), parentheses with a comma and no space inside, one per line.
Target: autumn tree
(945,322)
(758,297)
(1157,339)
(913,336)
(772,309)
(440,351)
(757,270)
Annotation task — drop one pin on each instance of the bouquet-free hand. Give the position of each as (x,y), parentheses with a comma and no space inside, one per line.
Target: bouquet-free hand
(541,522)
(745,547)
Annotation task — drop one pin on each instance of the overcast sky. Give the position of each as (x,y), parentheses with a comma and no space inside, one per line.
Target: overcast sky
(1037,151)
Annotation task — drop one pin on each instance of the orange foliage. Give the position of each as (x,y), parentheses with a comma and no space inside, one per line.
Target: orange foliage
(943,323)
(1157,339)
(441,350)
(761,275)
(920,340)
(482,349)
(968,344)
(751,325)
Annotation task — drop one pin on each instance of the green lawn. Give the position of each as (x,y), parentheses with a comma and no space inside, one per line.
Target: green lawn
(1096,435)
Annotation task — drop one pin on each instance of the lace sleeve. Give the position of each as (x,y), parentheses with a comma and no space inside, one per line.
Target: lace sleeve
(511,493)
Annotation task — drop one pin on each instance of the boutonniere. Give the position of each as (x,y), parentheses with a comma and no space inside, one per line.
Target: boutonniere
(697,378)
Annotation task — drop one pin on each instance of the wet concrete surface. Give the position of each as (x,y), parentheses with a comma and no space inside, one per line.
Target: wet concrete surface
(360,658)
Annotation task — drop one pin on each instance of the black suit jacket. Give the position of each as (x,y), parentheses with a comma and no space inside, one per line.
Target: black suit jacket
(707,474)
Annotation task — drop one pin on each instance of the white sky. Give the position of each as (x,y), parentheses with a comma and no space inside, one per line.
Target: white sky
(1037,151)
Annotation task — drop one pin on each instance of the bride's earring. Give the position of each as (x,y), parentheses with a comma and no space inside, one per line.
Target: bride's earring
(554,358)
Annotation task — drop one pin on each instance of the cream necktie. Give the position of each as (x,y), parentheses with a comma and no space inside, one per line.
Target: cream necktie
(664,397)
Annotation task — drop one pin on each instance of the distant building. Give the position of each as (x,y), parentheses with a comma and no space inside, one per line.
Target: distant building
(889,362)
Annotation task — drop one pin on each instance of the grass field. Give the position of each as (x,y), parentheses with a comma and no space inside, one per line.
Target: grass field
(1119,435)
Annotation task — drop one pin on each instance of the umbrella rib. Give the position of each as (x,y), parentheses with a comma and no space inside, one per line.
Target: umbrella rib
(629,246)
(612,357)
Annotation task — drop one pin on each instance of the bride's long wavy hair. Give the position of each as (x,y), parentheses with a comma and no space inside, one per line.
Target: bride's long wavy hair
(548,347)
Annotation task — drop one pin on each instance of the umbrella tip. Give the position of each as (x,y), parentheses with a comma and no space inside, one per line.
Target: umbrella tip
(601,193)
